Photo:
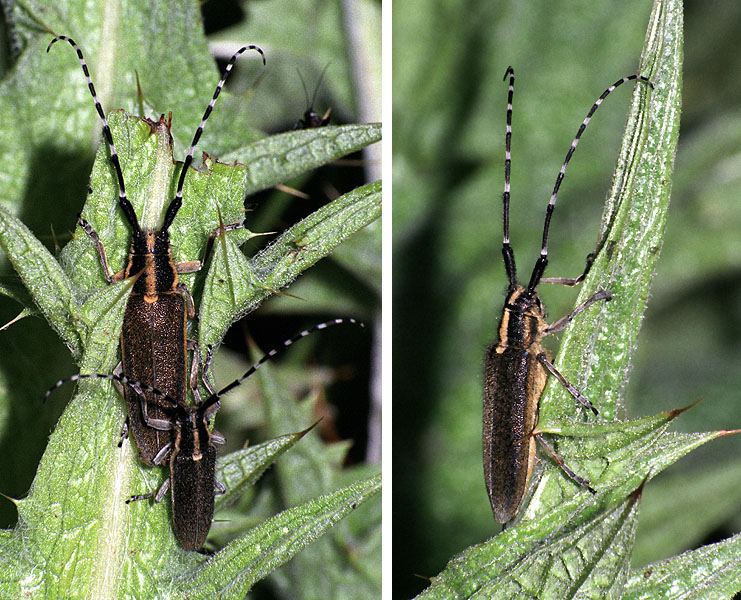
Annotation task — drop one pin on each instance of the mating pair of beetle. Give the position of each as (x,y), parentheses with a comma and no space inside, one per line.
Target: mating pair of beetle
(154,375)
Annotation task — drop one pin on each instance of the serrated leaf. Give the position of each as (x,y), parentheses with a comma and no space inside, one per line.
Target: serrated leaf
(300,246)
(277,158)
(39,271)
(588,538)
(601,347)
(708,573)
(528,569)
(246,560)
(324,570)
(244,467)
(294,251)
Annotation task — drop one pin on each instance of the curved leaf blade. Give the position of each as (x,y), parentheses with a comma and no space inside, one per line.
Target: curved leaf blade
(707,573)
(234,570)
(49,286)
(236,285)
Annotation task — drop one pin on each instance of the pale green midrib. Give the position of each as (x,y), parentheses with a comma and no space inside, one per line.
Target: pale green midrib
(111,551)
(156,195)
(108,568)
(106,58)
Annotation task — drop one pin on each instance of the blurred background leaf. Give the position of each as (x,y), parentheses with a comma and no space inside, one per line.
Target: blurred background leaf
(449,105)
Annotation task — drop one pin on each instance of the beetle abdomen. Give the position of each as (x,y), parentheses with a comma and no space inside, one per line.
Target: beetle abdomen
(513,383)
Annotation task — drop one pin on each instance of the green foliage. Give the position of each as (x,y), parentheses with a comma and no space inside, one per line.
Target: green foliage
(75,536)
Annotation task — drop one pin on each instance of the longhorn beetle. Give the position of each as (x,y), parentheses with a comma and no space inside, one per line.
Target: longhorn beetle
(192,454)
(516,365)
(153,335)
(191,450)
(312,120)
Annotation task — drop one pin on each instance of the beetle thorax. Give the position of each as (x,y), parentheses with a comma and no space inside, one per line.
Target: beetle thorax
(523,319)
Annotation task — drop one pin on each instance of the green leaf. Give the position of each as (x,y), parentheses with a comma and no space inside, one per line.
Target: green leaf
(706,573)
(590,538)
(277,158)
(244,467)
(235,285)
(329,569)
(246,560)
(632,229)
(47,283)
(527,568)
